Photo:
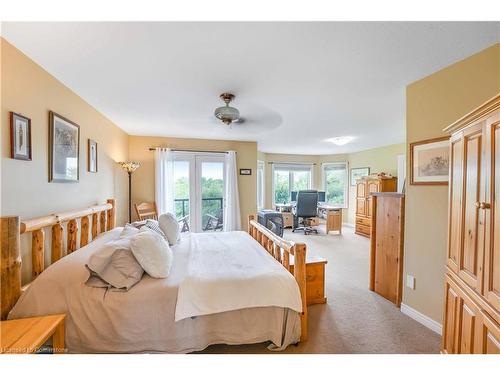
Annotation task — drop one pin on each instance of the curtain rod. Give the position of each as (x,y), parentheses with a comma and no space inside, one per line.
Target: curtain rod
(208,151)
(289,162)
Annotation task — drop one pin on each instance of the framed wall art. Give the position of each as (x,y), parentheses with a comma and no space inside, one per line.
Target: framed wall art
(64,149)
(429,162)
(357,173)
(20,137)
(92,156)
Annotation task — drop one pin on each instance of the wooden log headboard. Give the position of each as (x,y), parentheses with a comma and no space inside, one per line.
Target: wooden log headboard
(281,250)
(11,227)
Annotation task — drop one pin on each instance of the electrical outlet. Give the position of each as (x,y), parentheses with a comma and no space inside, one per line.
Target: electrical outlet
(410,282)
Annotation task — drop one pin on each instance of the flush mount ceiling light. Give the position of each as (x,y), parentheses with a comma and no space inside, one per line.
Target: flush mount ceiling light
(340,141)
(227,114)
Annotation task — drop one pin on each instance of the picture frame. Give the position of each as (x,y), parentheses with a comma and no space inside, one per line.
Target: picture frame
(92,156)
(245,171)
(64,149)
(20,137)
(357,173)
(429,161)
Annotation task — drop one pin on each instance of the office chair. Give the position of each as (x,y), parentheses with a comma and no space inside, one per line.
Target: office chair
(307,207)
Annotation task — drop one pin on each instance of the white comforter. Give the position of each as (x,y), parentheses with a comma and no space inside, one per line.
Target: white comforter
(230,271)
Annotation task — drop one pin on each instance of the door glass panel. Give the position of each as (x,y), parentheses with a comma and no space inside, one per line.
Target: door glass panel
(212,196)
(181,193)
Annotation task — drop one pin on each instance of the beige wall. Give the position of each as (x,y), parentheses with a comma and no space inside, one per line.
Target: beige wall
(382,159)
(143,178)
(31,91)
(433,103)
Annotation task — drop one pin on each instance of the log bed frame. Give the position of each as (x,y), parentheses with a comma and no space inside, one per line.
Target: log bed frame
(11,227)
(98,219)
(281,250)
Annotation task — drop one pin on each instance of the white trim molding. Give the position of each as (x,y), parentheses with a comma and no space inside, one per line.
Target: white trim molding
(422,319)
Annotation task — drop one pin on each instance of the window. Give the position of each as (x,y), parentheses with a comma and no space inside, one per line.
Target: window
(288,178)
(260,185)
(335,183)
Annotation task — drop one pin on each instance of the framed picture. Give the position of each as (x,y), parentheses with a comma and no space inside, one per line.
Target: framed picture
(245,171)
(20,137)
(429,162)
(64,149)
(357,173)
(92,156)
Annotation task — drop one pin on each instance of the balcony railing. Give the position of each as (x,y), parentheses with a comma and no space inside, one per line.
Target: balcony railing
(182,206)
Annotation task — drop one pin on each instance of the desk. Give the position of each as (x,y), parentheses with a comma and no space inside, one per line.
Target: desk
(23,336)
(332,215)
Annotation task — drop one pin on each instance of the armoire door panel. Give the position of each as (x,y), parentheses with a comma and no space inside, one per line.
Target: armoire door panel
(470,256)
(468,322)
(373,187)
(361,190)
(490,335)
(450,336)
(492,249)
(455,208)
(360,206)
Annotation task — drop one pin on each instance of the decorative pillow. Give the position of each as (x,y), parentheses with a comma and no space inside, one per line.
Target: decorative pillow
(114,267)
(152,252)
(155,227)
(128,231)
(169,225)
(138,224)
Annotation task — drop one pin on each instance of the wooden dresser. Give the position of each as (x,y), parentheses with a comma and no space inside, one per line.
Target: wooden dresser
(471,322)
(364,187)
(386,250)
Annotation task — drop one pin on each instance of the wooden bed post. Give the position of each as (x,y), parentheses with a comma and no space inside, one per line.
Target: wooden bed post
(11,263)
(299,272)
(111,214)
(249,229)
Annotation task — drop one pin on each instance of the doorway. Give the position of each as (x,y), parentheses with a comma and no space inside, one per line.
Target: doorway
(199,191)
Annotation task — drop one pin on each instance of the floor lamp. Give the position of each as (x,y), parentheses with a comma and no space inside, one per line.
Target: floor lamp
(129,167)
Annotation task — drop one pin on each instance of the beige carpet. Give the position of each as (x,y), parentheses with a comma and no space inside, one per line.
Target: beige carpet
(354,320)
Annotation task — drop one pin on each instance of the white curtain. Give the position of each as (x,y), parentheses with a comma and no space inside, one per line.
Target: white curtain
(164,180)
(232,218)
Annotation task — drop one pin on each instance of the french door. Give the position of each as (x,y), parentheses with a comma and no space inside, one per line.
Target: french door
(199,191)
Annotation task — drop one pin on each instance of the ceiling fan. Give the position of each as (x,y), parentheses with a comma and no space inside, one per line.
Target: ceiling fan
(227,114)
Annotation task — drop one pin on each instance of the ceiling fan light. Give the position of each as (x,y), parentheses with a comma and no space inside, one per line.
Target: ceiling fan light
(227,114)
(340,141)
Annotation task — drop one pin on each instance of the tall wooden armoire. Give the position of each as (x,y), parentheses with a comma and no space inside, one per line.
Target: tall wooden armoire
(471,321)
(364,187)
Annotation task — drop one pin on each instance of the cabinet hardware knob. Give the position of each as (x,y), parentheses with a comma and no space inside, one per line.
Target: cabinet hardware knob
(483,205)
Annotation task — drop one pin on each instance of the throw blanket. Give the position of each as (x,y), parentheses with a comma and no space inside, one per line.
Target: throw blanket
(230,271)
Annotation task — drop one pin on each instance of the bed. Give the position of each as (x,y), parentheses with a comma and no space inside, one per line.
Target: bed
(145,319)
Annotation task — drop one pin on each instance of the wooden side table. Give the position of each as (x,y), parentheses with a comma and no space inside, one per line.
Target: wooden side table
(23,336)
(315,279)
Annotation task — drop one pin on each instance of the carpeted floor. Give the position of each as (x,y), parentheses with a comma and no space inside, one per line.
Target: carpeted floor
(354,320)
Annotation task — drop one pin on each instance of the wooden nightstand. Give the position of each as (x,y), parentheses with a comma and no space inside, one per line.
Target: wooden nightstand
(315,279)
(23,336)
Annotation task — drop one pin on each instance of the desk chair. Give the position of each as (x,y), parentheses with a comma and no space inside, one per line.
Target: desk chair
(307,207)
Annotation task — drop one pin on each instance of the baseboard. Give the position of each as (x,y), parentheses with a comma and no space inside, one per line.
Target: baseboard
(349,225)
(421,318)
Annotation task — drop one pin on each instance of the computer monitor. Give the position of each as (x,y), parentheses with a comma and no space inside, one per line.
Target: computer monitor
(293,198)
(321,196)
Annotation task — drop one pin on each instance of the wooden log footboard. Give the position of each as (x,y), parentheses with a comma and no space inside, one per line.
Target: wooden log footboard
(281,250)
(12,227)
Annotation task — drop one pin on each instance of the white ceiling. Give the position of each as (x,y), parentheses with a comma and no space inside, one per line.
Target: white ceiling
(296,83)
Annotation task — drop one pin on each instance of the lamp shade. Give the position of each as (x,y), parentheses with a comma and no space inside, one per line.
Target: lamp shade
(129,166)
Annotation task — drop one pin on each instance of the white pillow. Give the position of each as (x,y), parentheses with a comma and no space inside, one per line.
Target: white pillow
(152,252)
(169,225)
(128,231)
